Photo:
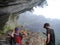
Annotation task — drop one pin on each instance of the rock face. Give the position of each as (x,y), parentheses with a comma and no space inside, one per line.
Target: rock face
(8,7)
(3,20)
(15,6)
(35,39)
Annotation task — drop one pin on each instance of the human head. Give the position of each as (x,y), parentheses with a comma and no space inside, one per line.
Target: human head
(46,25)
(17,29)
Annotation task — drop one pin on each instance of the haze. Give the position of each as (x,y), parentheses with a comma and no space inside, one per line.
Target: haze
(51,11)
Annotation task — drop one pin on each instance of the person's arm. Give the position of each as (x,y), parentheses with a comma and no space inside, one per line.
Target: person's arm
(12,34)
(24,33)
(48,38)
(44,33)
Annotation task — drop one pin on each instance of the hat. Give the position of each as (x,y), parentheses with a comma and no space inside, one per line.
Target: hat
(46,24)
(16,29)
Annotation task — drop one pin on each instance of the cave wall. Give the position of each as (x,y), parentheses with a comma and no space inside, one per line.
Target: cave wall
(8,7)
(11,23)
(3,20)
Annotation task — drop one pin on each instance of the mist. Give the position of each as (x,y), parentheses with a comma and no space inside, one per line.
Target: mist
(35,19)
(35,23)
(50,11)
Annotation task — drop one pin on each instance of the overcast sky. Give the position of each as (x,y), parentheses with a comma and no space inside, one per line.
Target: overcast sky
(50,11)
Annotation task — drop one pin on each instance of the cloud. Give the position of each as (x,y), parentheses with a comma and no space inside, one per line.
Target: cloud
(50,11)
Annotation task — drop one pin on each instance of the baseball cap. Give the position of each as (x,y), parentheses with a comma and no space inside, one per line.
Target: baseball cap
(16,29)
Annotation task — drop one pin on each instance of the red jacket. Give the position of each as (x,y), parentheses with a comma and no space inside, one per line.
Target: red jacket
(18,39)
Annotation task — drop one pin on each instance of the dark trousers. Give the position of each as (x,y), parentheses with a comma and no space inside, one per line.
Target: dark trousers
(51,43)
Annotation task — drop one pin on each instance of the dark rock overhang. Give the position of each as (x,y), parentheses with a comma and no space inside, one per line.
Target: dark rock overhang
(16,6)
(8,7)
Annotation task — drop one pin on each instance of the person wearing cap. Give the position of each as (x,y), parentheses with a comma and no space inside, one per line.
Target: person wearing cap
(50,34)
(18,36)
